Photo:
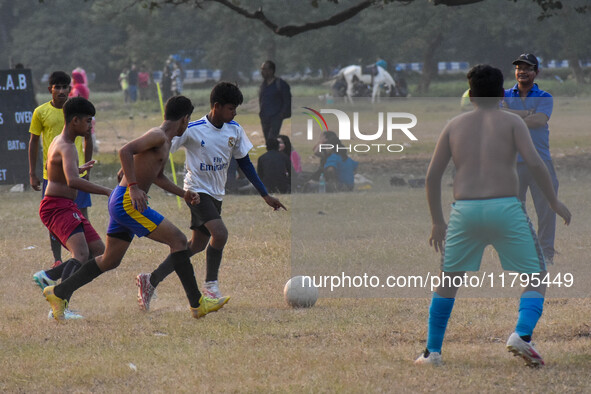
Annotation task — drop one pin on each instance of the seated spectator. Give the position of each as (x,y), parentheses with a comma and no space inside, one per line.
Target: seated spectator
(274,168)
(285,147)
(339,169)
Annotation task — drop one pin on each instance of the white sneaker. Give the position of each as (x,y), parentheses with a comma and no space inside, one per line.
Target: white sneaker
(432,358)
(211,290)
(68,315)
(145,291)
(525,350)
(42,280)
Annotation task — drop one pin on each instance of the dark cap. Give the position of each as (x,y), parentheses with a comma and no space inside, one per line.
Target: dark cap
(527,58)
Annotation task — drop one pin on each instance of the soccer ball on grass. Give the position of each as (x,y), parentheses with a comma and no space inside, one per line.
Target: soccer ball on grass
(300,293)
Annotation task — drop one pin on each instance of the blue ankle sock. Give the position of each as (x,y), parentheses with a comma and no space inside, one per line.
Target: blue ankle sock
(439,313)
(531,305)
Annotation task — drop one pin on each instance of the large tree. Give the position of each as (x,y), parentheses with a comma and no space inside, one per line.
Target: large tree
(256,12)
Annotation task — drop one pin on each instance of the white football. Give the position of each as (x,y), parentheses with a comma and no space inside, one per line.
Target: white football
(300,293)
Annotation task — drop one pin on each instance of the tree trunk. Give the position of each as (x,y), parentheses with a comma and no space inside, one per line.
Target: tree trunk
(573,62)
(429,62)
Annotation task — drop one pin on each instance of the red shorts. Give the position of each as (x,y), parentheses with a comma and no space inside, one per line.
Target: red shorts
(61,216)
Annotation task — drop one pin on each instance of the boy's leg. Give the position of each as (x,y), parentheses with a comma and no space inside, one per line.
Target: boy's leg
(56,249)
(439,312)
(219,237)
(114,252)
(441,306)
(531,305)
(179,258)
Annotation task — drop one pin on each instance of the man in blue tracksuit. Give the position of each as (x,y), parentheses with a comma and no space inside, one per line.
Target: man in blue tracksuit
(534,105)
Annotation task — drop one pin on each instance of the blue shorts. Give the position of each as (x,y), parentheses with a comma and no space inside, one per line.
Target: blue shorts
(82,198)
(500,222)
(126,220)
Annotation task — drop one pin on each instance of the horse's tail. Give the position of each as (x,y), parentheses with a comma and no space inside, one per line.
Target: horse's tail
(340,74)
(388,78)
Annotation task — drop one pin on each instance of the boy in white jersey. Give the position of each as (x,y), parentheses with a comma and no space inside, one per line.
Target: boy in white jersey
(210,143)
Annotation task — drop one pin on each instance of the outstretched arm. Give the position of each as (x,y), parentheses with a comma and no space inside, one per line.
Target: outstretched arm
(246,166)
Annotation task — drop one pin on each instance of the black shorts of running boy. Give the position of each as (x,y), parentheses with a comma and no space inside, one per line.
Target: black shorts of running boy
(208,209)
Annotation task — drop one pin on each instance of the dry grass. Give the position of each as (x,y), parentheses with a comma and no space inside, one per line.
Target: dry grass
(257,343)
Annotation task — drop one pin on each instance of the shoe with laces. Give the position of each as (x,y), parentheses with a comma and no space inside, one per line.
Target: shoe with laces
(211,290)
(208,305)
(42,280)
(58,305)
(525,350)
(68,315)
(429,358)
(145,291)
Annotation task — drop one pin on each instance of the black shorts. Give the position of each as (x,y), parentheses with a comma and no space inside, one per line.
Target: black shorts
(208,209)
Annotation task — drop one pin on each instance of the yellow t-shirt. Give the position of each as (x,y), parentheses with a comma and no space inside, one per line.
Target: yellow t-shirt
(48,122)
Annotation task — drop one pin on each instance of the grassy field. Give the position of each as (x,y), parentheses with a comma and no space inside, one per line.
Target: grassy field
(348,342)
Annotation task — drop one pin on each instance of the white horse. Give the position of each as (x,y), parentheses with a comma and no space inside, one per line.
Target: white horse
(349,74)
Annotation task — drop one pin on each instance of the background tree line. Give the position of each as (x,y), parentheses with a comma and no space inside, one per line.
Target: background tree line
(104,36)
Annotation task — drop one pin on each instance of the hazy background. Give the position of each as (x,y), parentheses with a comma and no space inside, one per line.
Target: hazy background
(104,36)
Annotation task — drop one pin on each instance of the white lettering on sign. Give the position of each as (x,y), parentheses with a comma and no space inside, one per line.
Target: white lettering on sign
(23,117)
(16,145)
(3,174)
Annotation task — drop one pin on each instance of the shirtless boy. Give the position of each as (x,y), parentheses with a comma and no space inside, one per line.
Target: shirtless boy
(58,210)
(484,144)
(143,161)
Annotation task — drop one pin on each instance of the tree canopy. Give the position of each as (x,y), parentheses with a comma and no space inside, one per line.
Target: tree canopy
(104,36)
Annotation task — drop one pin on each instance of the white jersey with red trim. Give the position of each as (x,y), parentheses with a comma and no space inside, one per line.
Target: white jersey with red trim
(209,151)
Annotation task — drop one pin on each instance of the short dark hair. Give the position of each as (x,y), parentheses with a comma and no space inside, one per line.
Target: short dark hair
(272,144)
(177,107)
(59,78)
(77,106)
(271,64)
(225,93)
(485,81)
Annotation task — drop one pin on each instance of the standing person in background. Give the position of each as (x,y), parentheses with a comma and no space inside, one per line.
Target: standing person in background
(274,101)
(143,80)
(46,124)
(132,79)
(79,86)
(124,83)
(80,89)
(177,79)
(166,81)
(534,106)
